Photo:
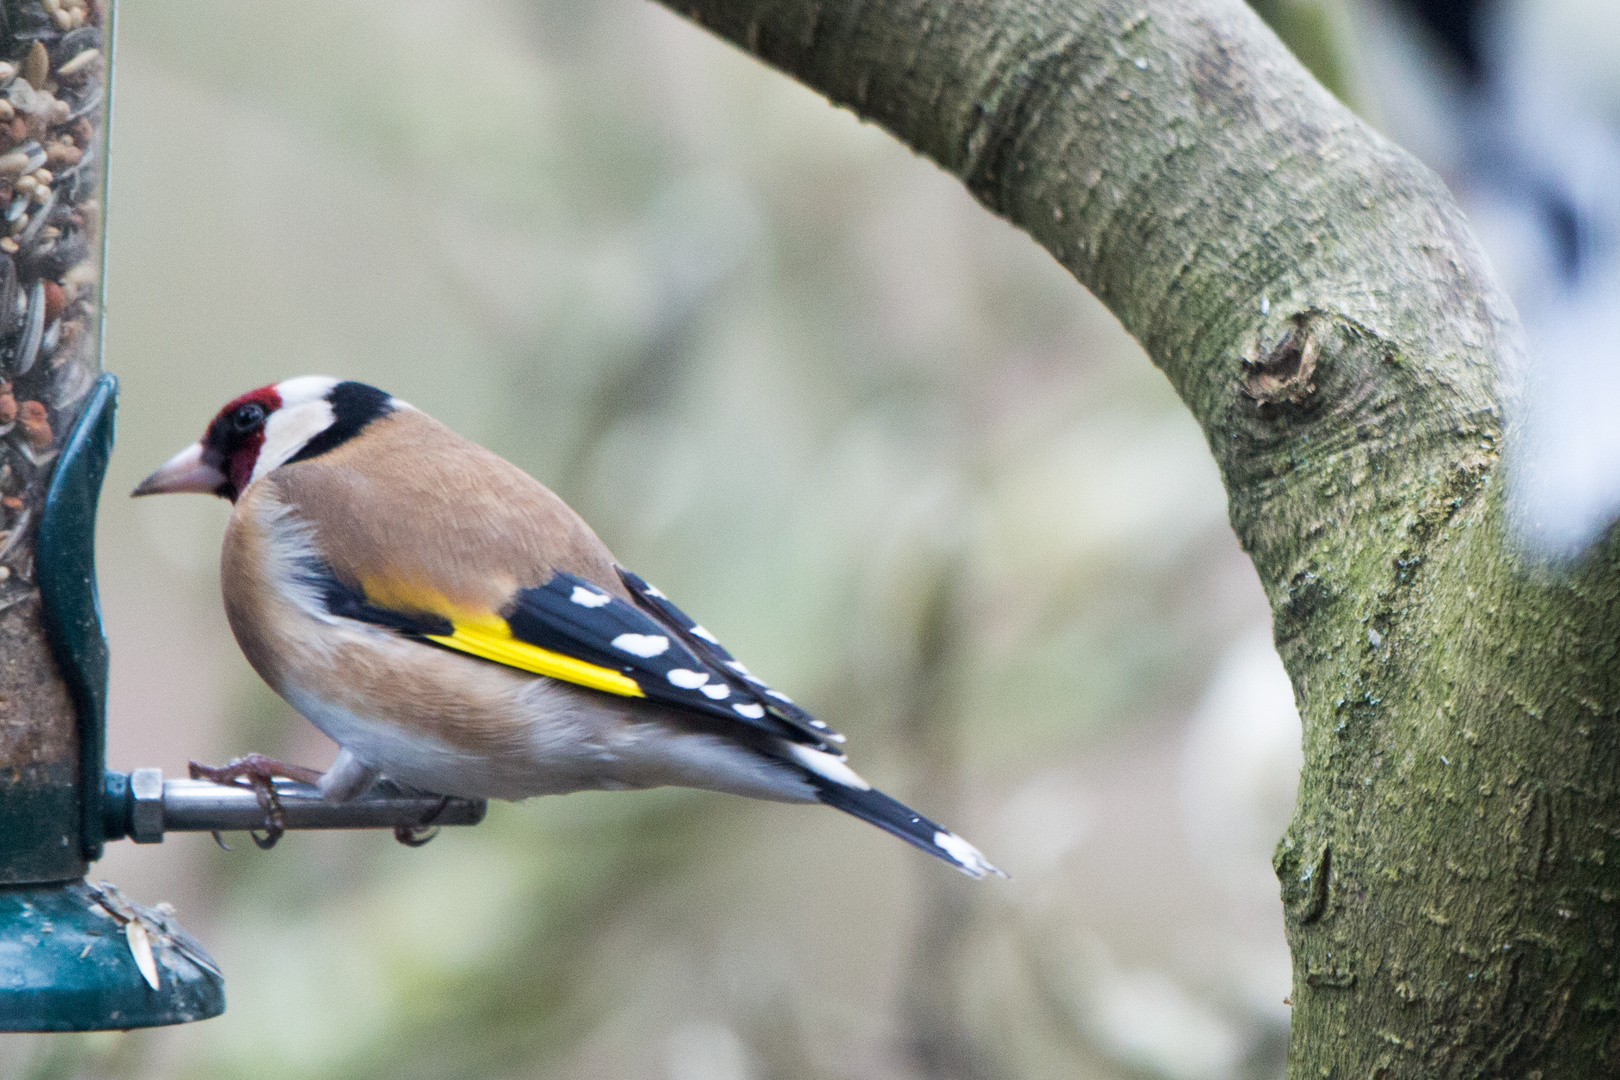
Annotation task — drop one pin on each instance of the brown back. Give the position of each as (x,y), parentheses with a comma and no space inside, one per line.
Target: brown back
(413,504)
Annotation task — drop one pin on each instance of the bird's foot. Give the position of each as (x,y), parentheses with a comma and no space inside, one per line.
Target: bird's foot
(419,834)
(259,773)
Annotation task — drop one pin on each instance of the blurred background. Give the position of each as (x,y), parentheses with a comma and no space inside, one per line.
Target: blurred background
(873,437)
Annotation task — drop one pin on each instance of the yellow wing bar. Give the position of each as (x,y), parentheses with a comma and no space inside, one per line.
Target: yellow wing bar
(492,639)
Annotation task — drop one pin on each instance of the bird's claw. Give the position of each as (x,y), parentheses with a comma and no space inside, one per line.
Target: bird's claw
(259,773)
(416,835)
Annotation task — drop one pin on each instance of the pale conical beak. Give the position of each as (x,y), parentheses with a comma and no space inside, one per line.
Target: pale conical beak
(189,470)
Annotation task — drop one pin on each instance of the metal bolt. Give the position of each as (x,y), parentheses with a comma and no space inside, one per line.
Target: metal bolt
(146,819)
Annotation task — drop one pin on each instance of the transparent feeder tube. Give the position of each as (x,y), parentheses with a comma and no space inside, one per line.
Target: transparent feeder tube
(55,72)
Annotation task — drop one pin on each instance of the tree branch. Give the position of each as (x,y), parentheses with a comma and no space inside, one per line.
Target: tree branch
(1314,296)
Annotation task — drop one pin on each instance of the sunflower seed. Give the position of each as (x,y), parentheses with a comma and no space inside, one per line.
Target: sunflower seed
(33,329)
(140,947)
(37,222)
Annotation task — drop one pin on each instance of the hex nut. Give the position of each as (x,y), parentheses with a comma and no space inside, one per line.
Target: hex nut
(146,814)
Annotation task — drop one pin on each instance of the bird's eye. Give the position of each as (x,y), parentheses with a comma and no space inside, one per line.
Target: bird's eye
(247,418)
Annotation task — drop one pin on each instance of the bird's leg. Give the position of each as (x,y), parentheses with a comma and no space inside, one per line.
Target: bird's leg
(347,777)
(260,773)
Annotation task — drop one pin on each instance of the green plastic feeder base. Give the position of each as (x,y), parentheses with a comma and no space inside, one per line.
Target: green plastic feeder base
(68,962)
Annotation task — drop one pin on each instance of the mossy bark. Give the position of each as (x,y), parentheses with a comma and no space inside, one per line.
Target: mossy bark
(1314,296)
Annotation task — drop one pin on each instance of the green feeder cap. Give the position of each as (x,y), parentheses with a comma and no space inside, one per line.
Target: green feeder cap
(81,957)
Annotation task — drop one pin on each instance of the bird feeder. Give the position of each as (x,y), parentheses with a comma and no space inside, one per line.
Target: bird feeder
(77,956)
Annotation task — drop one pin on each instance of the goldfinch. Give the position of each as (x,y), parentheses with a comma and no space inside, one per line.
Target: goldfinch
(453,625)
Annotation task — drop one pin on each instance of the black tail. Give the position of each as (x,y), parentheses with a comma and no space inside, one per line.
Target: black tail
(872,805)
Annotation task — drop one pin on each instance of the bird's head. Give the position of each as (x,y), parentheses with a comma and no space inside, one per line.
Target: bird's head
(292,420)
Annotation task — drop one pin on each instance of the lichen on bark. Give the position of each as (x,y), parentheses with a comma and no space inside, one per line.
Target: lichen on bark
(1314,295)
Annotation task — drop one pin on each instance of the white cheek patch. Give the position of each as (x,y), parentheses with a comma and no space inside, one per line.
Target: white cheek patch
(288,430)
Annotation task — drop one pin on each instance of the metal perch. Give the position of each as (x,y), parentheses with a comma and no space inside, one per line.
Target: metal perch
(142,806)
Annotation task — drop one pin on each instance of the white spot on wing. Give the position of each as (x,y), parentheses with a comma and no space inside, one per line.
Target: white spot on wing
(648,645)
(779,696)
(965,854)
(653,590)
(717,691)
(586,598)
(749,709)
(698,631)
(828,765)
(737,666)
(687,679)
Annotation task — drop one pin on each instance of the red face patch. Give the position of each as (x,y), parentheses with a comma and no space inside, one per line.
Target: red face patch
(237,434)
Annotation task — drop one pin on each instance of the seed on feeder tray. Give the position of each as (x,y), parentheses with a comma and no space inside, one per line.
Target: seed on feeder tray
(8,403)
(44,176)
(32,418)
(7,71)
(140,947)
(12,503)
(5,575)
(37,66)
(63,154)
(14,162)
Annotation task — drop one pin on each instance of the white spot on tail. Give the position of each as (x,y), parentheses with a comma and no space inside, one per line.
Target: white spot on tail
(586,598)
(965,855)
(648,645)
(698,631)
(828,765)
(687,679)
(717,691)
(653,590)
